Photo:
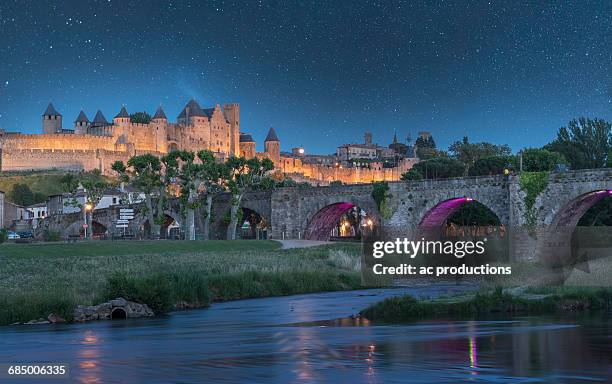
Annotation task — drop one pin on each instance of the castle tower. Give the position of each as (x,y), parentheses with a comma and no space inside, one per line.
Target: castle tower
(232,115)
(191,114)
(81,124)
(247,146)
(159,115)
(196,134)
(159,123)
(99,125)
(368,138)
(51,120)
(122,118)
(99,120)
(272,147)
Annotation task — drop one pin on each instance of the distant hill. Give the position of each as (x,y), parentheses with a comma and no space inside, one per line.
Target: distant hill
(44,182)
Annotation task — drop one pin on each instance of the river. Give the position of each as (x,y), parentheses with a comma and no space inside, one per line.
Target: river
(311,338)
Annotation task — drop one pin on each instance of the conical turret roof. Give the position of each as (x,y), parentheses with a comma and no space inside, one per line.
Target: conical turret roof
(51,111)
(100,119)
(123,113)
(159,114)
(82,118)
(246,138)
(191,109)
(271,135)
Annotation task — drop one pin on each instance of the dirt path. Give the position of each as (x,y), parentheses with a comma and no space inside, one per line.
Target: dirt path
(301,243)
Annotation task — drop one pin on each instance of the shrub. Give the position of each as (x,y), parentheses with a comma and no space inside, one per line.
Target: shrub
(539,160)
(494,165)
(412,174)
(154,290)
(440,168)
(50,235)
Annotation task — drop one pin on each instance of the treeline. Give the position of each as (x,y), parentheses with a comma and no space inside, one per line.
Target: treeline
(193,178)
(584,143)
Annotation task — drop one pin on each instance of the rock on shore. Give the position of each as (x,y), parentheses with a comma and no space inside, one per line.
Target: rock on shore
(117,308)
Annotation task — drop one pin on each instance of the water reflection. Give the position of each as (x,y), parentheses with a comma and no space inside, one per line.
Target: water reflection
(289,340)
(88,354)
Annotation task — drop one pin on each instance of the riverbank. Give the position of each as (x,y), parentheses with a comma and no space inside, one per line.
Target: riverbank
(517,301)
(39,279)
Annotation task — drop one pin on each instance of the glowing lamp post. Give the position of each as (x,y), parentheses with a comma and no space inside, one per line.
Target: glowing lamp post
(88,208)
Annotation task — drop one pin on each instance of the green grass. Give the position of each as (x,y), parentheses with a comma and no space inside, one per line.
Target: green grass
(38,279)
(407,308)
(122,248)
(46,182)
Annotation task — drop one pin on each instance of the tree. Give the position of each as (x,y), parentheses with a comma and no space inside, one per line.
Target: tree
(380,194)
(439,168)
(585,143)
(146,173)
(473,213)
(199,180)
(412,174)
(468,153)
(538,160)
(140,117)
(95,186)
(494,165)
(214,176)
(426,148)
(187,173)
(243,175)
(69,182)
(21,194)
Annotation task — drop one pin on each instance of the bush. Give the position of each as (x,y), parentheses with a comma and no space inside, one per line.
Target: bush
(161,291)
(440,168)
(26,306)
(3,235)
(412,174)
(50,235)
(408,308)
(539,160)
(154,290)
(494,165)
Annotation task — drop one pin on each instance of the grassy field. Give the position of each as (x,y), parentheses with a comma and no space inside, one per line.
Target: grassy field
(533,301)
(39,279)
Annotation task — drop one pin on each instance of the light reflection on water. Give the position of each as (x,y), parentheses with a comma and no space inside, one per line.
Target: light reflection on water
(292,339)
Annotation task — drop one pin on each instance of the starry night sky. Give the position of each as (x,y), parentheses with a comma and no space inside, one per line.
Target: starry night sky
(321,73)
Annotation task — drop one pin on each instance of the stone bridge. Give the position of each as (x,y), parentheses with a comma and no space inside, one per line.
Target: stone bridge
(414,206)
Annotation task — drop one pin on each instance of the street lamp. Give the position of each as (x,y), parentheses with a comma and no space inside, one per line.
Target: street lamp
(88,208)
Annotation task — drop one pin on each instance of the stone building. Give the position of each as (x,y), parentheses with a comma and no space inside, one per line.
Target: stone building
(98,143)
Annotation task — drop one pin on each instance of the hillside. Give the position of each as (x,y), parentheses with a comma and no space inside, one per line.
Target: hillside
(44,182)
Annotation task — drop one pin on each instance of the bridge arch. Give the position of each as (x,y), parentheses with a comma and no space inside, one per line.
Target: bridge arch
(559,246)
(464,218)
(253,224)
(172,220)
(98,228)
(438,214)
(569,215)
(339,220)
